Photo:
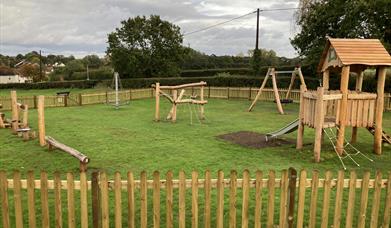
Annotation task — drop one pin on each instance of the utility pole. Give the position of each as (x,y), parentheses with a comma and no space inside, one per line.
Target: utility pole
(88,74)
(257,36)
(40,65)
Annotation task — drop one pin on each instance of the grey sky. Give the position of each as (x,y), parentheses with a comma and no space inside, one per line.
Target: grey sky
(80,27)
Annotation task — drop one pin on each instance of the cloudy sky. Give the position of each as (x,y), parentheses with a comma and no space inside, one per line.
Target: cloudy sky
(80,27)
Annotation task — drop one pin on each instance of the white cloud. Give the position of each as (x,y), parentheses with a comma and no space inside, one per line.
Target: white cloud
(81,27)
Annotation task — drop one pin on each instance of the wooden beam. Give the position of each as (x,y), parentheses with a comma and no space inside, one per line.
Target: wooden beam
(302,81)
(14,110)
(260,90)
(157,102)
(202,111)
(276,94)
(41,120)
(343,108)
(326,79)
(319,119)
(359,80)
(166,96)
(300,131)
(381,78)
(174,105)
(176,101)
(73,152)
(202,83)
(2,124)
(293,77)
(25,123)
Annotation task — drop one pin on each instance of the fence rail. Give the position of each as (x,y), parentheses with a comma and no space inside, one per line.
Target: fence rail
(292,200)
(133,94)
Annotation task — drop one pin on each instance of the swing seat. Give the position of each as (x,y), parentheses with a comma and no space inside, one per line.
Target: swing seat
(285,101)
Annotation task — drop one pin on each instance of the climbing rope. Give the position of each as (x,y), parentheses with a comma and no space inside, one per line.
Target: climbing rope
(345,154)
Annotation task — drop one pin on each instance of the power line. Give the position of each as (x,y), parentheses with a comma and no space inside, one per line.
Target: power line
(279,9)
(224,22)
(218,24)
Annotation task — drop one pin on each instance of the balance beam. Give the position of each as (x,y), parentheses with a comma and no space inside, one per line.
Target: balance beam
(84,160)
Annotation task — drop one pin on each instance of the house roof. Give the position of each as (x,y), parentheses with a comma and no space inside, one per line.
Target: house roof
(370,52)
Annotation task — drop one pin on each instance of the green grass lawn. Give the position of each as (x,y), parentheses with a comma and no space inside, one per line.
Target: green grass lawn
(129,139)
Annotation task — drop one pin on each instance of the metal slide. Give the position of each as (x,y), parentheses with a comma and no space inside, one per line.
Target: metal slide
(285,130)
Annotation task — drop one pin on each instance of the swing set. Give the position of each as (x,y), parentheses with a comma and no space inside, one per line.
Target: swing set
(272,72)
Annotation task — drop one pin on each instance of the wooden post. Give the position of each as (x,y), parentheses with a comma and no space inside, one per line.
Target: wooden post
(202,114)
(326,79)
(319,119)
(260,90)
(15,114)
(65,100)
(83,167)
(2,125)
(174,97)
(249,94)
(343,108)
(80,99)
(95,197)
(302,81)
(157,101)
(359,80)
(377,146)
(35,101)
(300,131)
(41,120)
(25,122)
(292,194)
(276,94)
(293,77)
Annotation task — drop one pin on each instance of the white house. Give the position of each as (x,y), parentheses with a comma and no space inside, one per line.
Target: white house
(4,79)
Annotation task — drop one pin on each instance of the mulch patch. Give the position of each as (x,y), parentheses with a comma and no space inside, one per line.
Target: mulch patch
(253,140)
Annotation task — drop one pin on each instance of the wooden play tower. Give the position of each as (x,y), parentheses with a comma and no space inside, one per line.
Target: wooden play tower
(326,108)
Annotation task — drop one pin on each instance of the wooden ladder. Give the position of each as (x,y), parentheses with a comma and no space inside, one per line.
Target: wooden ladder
(385,138)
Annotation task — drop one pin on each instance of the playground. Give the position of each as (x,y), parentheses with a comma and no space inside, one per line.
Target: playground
(128,138)
(186,128)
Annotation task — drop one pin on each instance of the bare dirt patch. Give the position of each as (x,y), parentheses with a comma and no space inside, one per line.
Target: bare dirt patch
(253,140)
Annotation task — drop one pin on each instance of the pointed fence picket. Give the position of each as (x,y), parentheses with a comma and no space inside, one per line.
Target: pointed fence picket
(286,199)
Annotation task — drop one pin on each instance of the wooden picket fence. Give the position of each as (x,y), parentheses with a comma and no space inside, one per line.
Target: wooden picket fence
(133,94)
(288,201)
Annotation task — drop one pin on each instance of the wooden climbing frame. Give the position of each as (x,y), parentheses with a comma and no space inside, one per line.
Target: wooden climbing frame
(176,98)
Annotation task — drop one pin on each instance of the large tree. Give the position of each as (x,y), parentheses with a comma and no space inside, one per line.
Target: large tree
(146,47)
(343,19)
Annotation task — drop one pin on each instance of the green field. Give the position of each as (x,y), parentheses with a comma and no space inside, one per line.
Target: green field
(129,139)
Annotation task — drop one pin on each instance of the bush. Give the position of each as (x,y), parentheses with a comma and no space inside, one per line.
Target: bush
(307,71)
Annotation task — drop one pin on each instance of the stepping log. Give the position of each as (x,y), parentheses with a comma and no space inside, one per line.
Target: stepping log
(84,160)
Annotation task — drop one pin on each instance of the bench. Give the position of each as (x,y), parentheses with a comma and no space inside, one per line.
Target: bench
(63,93)
(83,159)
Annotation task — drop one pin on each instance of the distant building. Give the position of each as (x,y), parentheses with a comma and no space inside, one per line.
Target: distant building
(9,75)
(4,79)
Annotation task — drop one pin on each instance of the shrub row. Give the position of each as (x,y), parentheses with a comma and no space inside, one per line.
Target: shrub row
(307,71)
(369,83)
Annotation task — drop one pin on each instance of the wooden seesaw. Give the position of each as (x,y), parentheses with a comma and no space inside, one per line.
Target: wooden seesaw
(176,99)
